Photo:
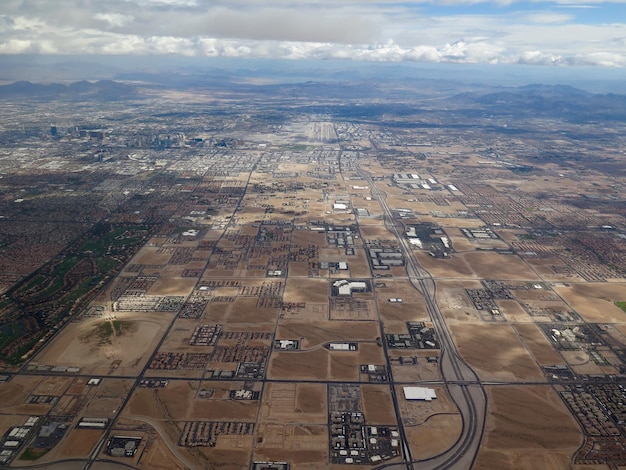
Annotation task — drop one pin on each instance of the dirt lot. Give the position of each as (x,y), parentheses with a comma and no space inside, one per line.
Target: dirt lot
(365,310)
(358,265)
(224,459)
(401,288)
(433,436)
(423,371)
(158,456)
(594,301)
(310,312)
(94,348)
(77,443)
(306,238)
(217,312)
(374,231)
(108,398)
(160,410)
(330,255)
(544,268)
(298,269)
(302,365)
(538,344)
(416,412)
(304,446)
(402,312)
(244,311)
(179,401)
(454,302)
(173,286)
(455,266)
(582,363)
(294,403)
(323,364)
(496,352)
(316,333)
(430,426)
(528,428)
(306,290)
(513,311)
(537,295)
(148,255)
(377,405)
(178,338)
(495,266)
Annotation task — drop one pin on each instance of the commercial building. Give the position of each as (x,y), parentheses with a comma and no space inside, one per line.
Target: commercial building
(419,393)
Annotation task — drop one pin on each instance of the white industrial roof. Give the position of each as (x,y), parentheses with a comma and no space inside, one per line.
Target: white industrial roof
(419,393)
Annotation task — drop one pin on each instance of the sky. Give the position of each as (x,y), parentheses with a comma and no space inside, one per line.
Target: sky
(550,33)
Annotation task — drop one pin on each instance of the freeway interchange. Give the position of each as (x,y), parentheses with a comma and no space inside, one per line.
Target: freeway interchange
(461,381)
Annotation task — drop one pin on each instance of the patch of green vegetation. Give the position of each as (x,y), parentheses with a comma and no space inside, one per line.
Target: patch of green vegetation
(33,454)
(103,332)
(64,266)
(85,286)
(125,241)
(105,236)
(100,333)
(299,147)
(59,271)
(122,327)
(35,282)
(64,284)
(622,305)
(56,284)
(106,264)
(9,332)
(16,357)
(96,247)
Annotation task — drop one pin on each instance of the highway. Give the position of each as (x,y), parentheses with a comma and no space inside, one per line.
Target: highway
(461,381)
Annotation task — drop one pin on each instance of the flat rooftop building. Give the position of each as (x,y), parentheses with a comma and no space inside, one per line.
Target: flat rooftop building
(419,393)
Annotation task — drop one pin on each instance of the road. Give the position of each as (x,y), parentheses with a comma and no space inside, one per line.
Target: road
(461,381)
(98,448)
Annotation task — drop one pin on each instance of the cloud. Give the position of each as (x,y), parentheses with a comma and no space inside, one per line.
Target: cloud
(267,24)
(538,58)
(114,19)
(506,31)
(549,17)
(176,3)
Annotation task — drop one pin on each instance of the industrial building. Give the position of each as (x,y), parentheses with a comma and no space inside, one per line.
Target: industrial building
(345,287)
(419,393)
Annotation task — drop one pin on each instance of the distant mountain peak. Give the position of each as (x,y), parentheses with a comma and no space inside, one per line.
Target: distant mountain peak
(103,89)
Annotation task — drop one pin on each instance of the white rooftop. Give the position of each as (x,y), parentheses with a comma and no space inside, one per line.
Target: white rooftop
(419,393)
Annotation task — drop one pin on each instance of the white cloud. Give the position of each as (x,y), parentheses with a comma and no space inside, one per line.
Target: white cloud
(22,23)
(114,19)
(16,46)
(538,58)
(380,30)
(178,3)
